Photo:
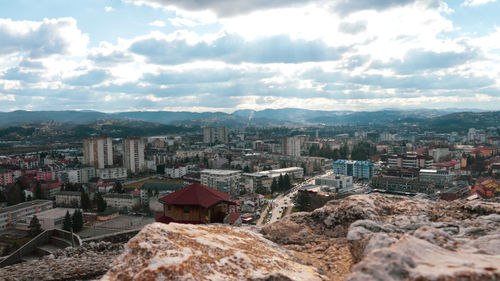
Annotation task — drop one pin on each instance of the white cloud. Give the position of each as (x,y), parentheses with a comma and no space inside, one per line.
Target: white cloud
(4,97)
(157,23)
(38,39)
(108,9)
(475,3)
(183,22)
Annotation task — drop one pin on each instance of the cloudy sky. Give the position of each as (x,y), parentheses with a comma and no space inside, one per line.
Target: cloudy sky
(224,55)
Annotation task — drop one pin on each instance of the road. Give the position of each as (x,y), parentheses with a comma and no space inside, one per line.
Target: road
(284,201)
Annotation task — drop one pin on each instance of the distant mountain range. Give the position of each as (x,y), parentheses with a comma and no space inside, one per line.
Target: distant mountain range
(265,118)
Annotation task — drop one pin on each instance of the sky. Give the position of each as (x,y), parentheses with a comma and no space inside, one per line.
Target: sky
(227,55)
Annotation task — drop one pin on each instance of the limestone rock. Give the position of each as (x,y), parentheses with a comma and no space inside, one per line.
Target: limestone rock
(415,259)
(205,252)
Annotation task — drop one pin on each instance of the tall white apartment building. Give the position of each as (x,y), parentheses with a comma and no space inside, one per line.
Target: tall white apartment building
(133,154)
(98,152)
(208,135)
(291,146)
(223,134)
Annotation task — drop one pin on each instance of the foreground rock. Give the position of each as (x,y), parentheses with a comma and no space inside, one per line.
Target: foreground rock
(87,262)
(201,252)
(396,238)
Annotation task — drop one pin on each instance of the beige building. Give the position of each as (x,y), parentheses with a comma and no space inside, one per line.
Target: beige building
(224,180)
(98,152)
(10,216)
(68,198)
(122,200)
(133,154)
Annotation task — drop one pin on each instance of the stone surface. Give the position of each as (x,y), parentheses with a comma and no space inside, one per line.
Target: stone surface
(87,262)
(201,252)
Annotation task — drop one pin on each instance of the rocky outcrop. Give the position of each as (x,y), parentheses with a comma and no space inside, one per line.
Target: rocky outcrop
(201,252)
(87,262)
(397,238)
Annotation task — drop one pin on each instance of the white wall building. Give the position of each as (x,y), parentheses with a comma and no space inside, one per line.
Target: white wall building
(133,154)
(112,173)
(10,216)
(337,181)
(122,200)
(98,152)
(224,180)
(291,146)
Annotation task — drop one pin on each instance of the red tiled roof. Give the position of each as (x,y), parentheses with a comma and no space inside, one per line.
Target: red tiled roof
(196,194)
(159,217)
(446,164)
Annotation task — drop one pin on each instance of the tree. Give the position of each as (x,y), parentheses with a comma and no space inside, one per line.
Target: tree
(15,195)
(100,202)
(246,169)
(77,221)
(85,201)
(303,201)
(35,227)
(281,183)
(261,189)
(157,192)
(67,222)
(38,191)
(274,186)
(287,184)
(118,188)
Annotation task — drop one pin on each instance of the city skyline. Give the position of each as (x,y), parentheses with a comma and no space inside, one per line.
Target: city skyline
(131,55)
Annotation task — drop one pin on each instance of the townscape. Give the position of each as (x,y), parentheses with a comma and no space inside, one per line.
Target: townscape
(247,140)
(105,185)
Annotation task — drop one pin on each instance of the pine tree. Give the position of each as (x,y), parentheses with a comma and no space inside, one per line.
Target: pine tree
(35,227)
(302,201)
(287,184)
(67,222)
(38,191)
(274,186)
(15,195)
(261,189)
(85,201)
(77,221)
(101,203)
(281,183)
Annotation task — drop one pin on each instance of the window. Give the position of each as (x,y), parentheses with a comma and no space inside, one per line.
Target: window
(186,209)
(169,207)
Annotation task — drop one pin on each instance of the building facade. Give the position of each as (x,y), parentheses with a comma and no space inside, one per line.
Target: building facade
(133,155)
(98,152)
(122,200)
(357,169)
(291,146)
(227,181)
(11,215)
(112,173)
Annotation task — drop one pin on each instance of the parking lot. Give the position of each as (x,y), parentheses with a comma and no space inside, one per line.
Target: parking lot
(120,223)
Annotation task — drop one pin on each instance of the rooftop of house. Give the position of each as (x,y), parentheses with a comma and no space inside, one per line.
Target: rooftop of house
(196,194)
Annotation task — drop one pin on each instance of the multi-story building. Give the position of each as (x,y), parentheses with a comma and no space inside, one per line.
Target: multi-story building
(98,152)
(6,177)
(133,154)
(337,181)
(112,173)
(122,200)
(175,172)
(291,146)
(224,180)
(436,176)
(77,175)
(9,216)
(250,181)
(409,160)
(222,134)
(209,135)
(68,198)
(357,169)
